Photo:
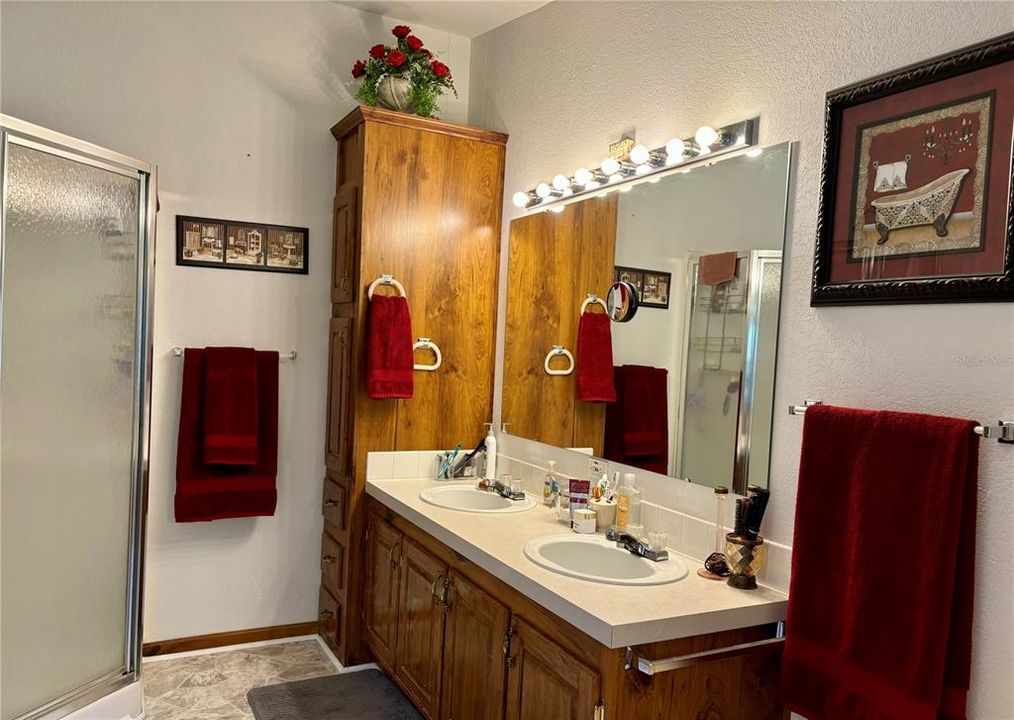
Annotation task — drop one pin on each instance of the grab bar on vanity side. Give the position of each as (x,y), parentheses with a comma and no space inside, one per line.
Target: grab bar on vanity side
(654,667)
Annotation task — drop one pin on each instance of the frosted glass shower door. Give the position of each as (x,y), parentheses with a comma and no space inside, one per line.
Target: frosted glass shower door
(70,413)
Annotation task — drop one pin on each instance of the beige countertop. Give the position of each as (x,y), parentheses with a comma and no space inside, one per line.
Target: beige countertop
(614,615)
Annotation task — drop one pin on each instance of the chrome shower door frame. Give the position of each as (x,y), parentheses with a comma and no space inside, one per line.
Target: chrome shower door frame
(19,132)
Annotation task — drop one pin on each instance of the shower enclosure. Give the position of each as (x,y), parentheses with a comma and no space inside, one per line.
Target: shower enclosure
(76,239)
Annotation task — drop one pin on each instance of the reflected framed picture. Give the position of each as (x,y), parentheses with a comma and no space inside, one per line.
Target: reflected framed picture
(917,184)
(652,285)
(237,245)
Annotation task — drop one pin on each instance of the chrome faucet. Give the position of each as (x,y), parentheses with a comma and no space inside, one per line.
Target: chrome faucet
(638,547)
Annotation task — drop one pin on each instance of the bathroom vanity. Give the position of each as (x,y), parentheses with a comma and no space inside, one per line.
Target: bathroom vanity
(471,629)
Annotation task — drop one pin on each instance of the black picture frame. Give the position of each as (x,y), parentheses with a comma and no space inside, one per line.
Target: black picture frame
(206,255)
(638,277)
(936,289)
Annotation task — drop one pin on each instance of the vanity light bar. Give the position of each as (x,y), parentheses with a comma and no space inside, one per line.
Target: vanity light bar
(613,173)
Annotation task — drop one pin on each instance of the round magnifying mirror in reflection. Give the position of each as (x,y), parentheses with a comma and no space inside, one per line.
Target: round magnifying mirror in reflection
(622,302)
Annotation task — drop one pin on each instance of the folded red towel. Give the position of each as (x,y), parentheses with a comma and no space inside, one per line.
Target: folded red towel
(637,424)
(388,348)
(595,359)
(230,406)
(883,557)
(211,492)
(717,268)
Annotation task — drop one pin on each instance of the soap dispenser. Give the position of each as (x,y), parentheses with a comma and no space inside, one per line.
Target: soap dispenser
(490,473)
(628,503)
(551,485)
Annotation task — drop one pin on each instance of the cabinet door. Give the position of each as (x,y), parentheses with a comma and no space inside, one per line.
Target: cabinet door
(336,454)
(545,682)
(383,547)
(343,257)
(475,661)
(421,628)
(329,619)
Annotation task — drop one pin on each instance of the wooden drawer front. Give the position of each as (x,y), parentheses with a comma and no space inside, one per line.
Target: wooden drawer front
(344,246)
(329,619)
(335,505)
(339,368)
(332,560)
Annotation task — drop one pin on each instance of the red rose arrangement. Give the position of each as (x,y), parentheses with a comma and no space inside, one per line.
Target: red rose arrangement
(403,76)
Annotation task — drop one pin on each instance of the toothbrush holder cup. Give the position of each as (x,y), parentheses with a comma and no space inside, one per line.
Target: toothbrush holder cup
(745,559)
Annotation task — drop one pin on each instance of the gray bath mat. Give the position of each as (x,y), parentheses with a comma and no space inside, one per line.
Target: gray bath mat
(362,695)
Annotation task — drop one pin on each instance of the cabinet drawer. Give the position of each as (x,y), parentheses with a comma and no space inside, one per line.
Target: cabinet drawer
(335,505)
(329,619)
(332,560)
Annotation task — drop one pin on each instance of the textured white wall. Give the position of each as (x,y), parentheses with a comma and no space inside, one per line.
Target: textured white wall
(234,101)
(569,78)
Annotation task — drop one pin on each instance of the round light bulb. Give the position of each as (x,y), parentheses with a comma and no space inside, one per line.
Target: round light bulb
(543,190)
(556,209)
(674,148)
(626,188)
(706,136)
(754,152)
(591,185)
(520,199)
(561,182)
(583,176)
(642,169)
(639,155)
(610,166)
(615,177)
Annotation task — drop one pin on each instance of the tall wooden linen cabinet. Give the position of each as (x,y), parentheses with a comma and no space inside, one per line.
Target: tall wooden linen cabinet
(418,199)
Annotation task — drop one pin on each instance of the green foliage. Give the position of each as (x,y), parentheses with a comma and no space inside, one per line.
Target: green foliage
(420,67)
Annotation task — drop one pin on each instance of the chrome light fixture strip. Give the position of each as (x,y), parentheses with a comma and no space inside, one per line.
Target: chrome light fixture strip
(674,156)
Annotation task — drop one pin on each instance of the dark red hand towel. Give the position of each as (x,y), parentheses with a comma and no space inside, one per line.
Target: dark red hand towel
(230,406)
(212,492)
(595,359)
(637,424)
(883,557)
(388,348)
(717,268)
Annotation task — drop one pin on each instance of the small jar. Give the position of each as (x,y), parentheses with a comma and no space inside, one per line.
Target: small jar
(584,521)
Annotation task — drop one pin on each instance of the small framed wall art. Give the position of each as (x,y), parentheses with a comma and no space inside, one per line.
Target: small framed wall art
(235,245)
(916,184)
(652,286)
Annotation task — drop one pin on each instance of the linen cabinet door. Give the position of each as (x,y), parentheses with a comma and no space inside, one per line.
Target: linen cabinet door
(475,662)
(336,454)
(383,581)
(343,257)
(419,658)
(544,682)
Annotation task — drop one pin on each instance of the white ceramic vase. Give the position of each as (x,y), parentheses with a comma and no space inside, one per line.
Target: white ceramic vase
(393,93)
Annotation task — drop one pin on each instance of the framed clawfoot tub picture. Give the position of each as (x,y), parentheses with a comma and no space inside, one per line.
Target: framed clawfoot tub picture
(917,185)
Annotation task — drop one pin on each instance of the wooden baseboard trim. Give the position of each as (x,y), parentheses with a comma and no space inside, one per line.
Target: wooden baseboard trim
(235,637)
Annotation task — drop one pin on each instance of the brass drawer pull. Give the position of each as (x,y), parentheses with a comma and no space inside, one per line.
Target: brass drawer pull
(326,614)
(344,284)
(654,667)
(328,559)
(507,638)
(330,503)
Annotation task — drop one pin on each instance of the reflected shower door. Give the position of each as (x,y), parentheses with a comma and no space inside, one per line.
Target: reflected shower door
(70,399)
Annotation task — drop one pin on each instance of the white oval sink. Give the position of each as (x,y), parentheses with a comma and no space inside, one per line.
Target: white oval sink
(592,557)
(468,498)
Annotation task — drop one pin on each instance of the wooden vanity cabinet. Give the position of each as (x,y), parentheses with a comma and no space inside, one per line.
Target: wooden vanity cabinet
(419,199)
(463,645)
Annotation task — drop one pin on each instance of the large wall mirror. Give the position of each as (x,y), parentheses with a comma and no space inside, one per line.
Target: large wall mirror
(689,388)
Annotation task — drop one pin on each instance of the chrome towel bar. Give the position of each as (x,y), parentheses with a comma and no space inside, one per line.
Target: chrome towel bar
(1003,431)
(291,355)
(654,667)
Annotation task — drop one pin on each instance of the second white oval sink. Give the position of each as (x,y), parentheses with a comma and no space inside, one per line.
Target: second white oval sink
(469,498)
(592,557)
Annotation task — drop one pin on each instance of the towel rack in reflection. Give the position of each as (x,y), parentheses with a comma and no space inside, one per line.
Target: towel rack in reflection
(559,350)
(291,355)
(593,299)
(427,344)
(1003,431)
(385,280)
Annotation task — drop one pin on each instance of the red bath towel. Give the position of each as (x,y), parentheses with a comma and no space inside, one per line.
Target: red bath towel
(595,359)
(230,406)
(212,492)
(637,424)
(717,268)
(388,348)
(883,557)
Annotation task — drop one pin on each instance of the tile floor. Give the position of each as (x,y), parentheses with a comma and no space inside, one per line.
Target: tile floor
(214,687)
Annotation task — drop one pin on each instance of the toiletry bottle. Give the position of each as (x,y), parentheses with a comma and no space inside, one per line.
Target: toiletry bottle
(551,485)
(628,503)
(490,454)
